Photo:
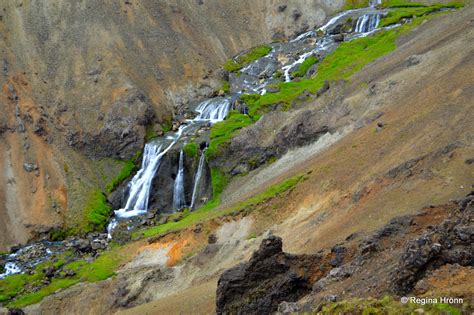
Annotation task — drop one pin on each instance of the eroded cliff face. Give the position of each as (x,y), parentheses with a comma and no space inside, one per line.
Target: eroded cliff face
(83,80)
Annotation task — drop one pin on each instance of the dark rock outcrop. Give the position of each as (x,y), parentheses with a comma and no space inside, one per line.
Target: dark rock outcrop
(161,198)
(451,242)
(269,278)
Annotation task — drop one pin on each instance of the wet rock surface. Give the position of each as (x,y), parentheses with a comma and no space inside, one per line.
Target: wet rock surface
(269,278)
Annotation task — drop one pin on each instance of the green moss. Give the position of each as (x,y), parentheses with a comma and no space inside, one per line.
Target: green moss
(37,296)
(356,4)
(401,4)
(58,234)
(232,66)
(208,211)
(304,67)
(225,87)
(278,74)
(251,236)
(412,10)
(150,132)
(190,149)
(128,169)
(100,269)
(219,181)
(254,54)
(387,305)
(95,213)
(343,63)
(223,131)
(167,125)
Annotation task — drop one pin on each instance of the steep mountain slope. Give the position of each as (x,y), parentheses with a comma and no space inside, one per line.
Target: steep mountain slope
(73,71)
(405,143)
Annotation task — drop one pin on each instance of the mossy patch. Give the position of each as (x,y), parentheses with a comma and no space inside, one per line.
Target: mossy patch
(167,125)
(304,67)
(407,4)
(225,86)
(100,269)
(208,211)
(190,149)
(129,167)
(355,4)
(234,65)
(150,132)
(386,305)
(412,10)
(223,131)
(95,213)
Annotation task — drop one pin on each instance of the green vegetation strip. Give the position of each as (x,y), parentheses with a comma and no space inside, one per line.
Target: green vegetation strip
(205,213)
(304,67)
(389,305)
(128,168)
(190,149)
(254,54)
(406,4)
(413,10)
(356,4)
(348,59)
(100,269)
(223,131)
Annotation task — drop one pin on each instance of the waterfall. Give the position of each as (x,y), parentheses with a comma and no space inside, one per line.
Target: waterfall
(333,22)
(214,109)
(140,185)
(197,178)
(10,269)
(373,3)
(179,201)
(367,23)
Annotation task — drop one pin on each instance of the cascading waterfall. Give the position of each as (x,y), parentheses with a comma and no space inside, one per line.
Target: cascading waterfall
(367,23)
(179,201)
(197,178)
(214,109)
(10,269)
(140,185)
(374,3)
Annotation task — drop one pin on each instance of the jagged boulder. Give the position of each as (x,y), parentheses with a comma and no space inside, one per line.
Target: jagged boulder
(451,242)
(269,278)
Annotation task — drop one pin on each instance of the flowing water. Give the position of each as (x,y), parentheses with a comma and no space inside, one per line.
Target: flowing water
(179,201)
(197,178)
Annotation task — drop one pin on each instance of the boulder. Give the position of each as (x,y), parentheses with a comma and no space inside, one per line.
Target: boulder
(268,279)
(451,242)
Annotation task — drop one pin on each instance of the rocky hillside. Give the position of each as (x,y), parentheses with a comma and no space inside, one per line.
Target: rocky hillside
(337,186)
(72,71)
